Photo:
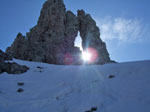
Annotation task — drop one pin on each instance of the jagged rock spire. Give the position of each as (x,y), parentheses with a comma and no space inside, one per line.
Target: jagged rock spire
(47,39)
(52,39)
(90,35)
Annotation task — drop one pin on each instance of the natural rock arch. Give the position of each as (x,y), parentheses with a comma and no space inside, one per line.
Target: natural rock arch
(78,41)
(52,39)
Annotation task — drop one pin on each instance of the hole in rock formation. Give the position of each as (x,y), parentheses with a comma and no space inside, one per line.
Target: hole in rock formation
(59,37)
(78,41)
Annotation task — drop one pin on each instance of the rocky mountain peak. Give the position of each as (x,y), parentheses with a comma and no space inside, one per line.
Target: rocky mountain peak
(52,39)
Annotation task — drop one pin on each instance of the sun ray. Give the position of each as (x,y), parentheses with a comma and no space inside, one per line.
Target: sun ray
(86,56)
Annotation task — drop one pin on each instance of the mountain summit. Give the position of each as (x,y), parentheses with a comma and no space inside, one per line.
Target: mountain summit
(52,39)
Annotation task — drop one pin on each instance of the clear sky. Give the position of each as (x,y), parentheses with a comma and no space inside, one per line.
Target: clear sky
(124,24)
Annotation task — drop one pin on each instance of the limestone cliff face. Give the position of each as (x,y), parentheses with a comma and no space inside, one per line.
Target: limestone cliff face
(47,39)
(71,28)
(19,48)
(4,56)
(52,39)
(90,35)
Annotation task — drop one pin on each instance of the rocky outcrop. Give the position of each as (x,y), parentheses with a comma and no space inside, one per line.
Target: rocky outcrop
(47,39)
(4,56)
(19,48)
(90,35)
(10,68)
(71,29)
(52,39)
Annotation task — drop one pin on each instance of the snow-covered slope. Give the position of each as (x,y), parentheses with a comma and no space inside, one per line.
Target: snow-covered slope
(54,88)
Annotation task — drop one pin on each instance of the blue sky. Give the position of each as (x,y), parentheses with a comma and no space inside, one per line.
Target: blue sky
(124,24)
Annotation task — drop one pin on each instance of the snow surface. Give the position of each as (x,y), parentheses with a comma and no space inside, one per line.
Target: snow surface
(77,88)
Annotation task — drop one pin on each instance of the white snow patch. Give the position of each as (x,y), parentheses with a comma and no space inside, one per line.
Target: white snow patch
(77,88)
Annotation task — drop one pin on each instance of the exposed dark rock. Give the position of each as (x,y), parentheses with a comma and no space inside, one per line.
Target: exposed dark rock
(20,90)
(94,109)
(12,68)
(52,39)
(39,67)
(20,83)
(71,32)
(57,98)
(4,56)
(1,71)
(19,48)
(112,61)
(72,28)
(47,39)
(111,76)
(90,35)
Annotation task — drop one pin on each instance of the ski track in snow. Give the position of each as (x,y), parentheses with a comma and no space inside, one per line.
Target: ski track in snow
(58,88)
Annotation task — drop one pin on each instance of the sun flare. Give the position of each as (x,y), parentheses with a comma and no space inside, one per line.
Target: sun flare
(86,56)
